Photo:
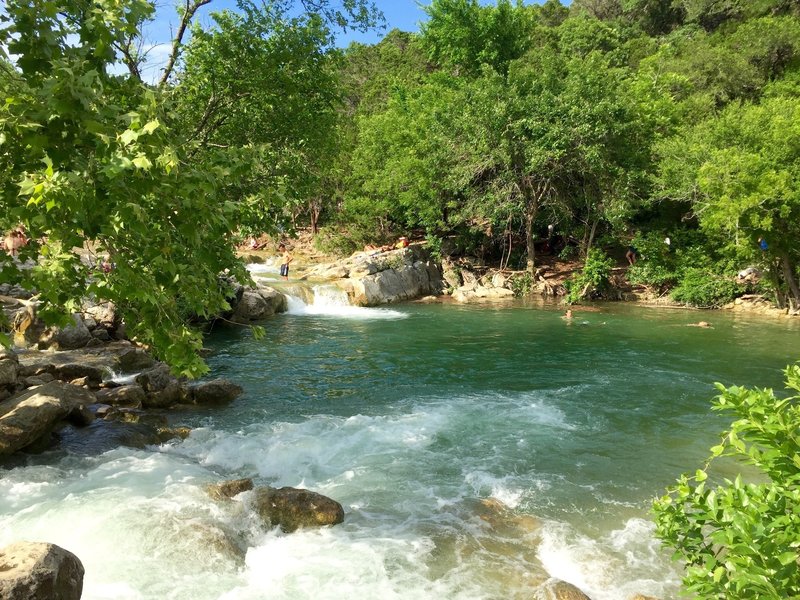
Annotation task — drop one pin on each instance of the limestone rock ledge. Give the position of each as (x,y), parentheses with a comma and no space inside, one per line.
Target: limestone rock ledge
(373,279)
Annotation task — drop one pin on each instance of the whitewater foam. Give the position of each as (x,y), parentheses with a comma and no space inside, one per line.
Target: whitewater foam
(331,301)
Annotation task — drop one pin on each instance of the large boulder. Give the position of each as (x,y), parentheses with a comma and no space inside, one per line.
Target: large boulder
(156,378)
(39,571)
(174,393)
(72,371)
(128,396)
(258,304)
(252,307)
(274,299)
(133,360)
(73,336)
(162,388)
(217,391)
(292,508)
(104,315)
(30,416)
(406,279)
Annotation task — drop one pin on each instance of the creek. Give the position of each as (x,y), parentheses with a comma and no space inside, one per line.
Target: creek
(477,451)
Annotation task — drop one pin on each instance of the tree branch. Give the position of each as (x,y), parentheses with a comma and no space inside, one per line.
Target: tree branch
(190,9)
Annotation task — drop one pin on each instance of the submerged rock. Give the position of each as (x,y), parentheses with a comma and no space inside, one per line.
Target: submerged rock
(217,391)
(555,589)
(229,489)
(39,571)
(292,508)
(104,435)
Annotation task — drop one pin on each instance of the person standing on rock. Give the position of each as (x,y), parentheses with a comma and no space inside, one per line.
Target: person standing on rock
(286,258)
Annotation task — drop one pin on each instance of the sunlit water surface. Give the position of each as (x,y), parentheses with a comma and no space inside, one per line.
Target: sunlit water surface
(477,451)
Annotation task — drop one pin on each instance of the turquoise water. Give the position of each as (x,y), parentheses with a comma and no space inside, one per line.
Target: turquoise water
(477,451)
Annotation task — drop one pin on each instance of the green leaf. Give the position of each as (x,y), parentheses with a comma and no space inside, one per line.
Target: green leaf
(142,162)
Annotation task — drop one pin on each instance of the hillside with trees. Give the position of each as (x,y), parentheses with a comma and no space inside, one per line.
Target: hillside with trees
(619,123)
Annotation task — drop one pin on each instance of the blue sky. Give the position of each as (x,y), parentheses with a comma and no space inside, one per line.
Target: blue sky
(400,14)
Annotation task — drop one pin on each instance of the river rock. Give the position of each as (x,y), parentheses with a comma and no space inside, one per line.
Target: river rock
(101,334)
(229,489)
(476,293)
(217,391)
(133,360)
(274,299)
(104,314)
(292,508)
(641,597)
(156,378)
(72,371)
(73,336)
(451,275)
(33,414)
(8,371)
(173,393)
(39,571)
(35,380)
(258,304)
(166,434)
(129,396)
(555,589)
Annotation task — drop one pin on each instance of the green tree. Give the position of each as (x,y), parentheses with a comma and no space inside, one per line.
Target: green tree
(462,35)
(89,159)
(740,538)
(740,171)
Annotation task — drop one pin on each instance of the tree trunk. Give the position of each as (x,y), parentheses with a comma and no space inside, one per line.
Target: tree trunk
(590,237)
(775,279)
(314,213)
(530,217)
(791,282)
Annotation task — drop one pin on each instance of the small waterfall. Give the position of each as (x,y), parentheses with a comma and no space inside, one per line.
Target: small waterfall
(331,301)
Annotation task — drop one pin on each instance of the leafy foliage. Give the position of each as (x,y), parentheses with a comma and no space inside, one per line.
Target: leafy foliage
(103,162)
(740,538)
(703,288)
(593,279)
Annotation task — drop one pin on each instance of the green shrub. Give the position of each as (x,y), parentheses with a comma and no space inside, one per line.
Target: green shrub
(593,278)
(521,285)
(434,245)
(703,288)
(340,242)
(568,253)
(738,539)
